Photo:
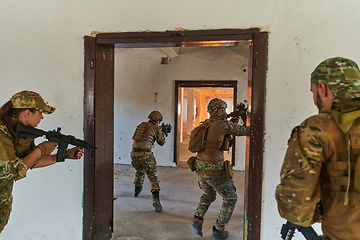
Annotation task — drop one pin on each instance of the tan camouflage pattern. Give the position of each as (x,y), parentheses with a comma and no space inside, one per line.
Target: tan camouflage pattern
(146,134)
(145,162)
(212,159)
(29,99)
(316,169)
(155,116)
(341,75)
(298,193)
(12,168)
(217,107)
(210,185)
(219,127)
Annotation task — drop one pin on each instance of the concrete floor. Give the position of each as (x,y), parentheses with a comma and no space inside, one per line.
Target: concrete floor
(135,218)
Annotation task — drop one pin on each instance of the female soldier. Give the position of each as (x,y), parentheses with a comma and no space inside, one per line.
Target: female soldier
(19,155)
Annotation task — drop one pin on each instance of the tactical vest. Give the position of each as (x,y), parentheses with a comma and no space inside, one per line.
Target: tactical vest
(337,177)
(144,132)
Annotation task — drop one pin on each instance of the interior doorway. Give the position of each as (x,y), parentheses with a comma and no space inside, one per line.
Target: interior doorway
(192,100)
(99,122)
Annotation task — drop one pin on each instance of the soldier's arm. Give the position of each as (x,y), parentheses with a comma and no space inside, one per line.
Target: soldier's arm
(11,166)
(299,191)
(159,136)
(233,128)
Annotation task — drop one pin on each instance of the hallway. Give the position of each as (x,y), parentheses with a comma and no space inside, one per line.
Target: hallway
(135,218)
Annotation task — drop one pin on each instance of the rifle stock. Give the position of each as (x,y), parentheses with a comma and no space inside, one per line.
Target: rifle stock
(288,230)
(23,131)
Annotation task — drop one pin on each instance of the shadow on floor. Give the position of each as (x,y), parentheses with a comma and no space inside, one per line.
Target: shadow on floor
(135,218)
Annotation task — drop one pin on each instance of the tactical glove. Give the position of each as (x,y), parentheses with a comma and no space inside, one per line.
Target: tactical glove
(47,148)
(72,153)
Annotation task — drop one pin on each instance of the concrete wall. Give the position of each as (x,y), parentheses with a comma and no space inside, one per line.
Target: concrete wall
(142,85)
(41,49)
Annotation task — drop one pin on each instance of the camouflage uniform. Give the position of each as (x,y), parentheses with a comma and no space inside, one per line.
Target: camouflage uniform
(12,166)
(211,159)
(320,165)
(143,160)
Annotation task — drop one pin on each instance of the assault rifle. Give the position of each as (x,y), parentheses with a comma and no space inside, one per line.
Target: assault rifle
(240,111)
(23,131)
(288,230)
(166,128)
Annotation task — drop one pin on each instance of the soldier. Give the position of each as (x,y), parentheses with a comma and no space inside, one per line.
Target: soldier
(320,173)
(210,170)
(143,160)
(19,155)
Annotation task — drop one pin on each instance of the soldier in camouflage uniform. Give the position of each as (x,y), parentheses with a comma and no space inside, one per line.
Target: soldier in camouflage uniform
(210,172)
(19,155)
(320,176)
(143,160)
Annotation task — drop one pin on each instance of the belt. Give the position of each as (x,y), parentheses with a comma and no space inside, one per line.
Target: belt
(141,150)
(211,173)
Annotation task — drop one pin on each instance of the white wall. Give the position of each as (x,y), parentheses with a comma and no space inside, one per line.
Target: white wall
(139,76)
(41,48)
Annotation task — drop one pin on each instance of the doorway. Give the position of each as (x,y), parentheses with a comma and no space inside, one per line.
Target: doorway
(99,122)
(192,98)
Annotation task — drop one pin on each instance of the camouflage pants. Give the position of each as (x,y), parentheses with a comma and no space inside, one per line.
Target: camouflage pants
(145,162)
(225,188)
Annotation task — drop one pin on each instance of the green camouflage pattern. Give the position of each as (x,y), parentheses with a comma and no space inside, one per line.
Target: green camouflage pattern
(29,99)
(341,75)
(209,166)
(145,162)
(210,185)
(12,168)
(299,192)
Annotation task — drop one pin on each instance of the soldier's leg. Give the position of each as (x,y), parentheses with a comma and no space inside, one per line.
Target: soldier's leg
(227,190)
(137,163)
(151,172)
(208,196)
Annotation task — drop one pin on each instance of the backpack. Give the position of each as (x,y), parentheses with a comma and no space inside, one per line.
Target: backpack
(198,136)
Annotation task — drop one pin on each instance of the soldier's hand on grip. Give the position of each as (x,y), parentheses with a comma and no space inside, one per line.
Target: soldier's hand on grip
(74,153)
(46,147)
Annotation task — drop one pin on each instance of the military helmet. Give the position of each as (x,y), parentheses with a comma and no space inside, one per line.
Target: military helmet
(155,116)
(28,99)
(217,106)
(340,75)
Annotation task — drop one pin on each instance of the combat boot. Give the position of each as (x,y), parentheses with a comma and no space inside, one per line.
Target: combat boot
(137,191)
(156,201)
(219,235)
(196,227)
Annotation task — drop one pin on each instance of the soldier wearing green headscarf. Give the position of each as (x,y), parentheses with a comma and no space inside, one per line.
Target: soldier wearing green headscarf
(19,155)
(209,165)
(320,175)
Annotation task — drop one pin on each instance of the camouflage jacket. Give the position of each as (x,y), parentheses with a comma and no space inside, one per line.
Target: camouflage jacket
(12,167)
(315,170)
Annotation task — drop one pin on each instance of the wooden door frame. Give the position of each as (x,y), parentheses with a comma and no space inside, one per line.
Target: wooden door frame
(199,84)
(99,121)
